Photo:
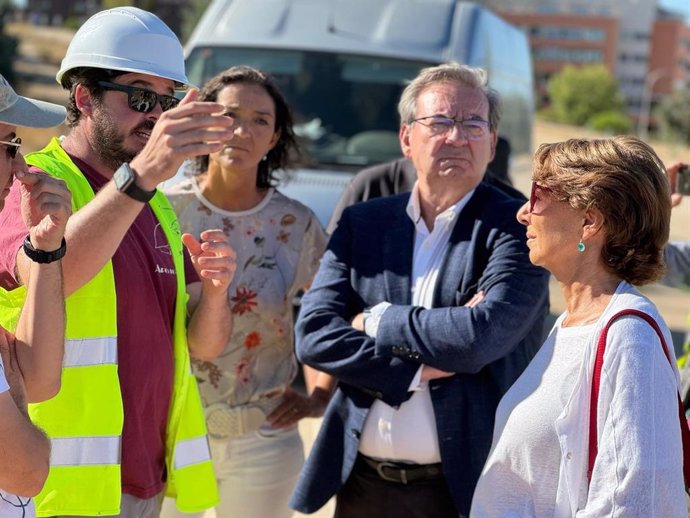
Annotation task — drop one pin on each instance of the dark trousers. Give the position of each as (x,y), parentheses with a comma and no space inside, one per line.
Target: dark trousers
(367,495)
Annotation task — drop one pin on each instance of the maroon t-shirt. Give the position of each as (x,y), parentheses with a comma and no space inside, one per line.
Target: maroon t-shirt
(145,284)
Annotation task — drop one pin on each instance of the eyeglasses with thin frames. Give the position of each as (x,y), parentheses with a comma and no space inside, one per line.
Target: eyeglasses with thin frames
(12,146)
(140,99)
(472,129)
(534,194)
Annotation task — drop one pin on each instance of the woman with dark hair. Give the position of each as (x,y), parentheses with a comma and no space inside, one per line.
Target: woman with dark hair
(598,219)
(251,411)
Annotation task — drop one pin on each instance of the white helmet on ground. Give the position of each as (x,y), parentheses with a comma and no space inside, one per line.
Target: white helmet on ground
(126,39)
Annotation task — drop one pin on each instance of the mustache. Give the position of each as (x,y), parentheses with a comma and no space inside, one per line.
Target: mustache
(146,125)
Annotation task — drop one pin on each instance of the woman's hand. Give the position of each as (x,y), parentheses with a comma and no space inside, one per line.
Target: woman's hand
(296,406)
(213,259)
(46,205)
(672,172)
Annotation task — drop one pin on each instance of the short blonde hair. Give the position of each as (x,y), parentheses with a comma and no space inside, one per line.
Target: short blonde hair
(626,181)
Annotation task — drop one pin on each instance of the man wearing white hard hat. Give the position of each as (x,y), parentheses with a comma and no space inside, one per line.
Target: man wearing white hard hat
(30,361)
(128,424)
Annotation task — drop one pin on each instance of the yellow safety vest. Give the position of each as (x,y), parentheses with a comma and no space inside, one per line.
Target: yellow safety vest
(84,421)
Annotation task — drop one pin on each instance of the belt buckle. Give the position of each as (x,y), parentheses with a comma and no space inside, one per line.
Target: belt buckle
(403,474)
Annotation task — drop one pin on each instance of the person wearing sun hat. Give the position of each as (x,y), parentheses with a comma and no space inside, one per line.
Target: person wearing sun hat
(31,360)
(24,111)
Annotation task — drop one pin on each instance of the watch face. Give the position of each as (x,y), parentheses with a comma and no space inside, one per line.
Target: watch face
(123,177)
(125,181)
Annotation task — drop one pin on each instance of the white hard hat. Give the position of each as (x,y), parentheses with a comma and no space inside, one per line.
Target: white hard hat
(126,39)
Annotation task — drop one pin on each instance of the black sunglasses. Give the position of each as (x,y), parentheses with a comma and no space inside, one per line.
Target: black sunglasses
(142,100)
(12,146)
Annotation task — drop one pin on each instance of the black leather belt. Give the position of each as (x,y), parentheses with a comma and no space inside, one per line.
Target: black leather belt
(402,472)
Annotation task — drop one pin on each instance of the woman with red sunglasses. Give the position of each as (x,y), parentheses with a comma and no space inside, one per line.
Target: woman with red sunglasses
(598,219)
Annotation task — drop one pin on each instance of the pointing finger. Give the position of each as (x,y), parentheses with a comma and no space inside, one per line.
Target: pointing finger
(191,96)
(192,244)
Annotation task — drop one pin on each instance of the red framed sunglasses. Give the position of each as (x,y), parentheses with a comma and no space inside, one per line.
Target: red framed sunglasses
(533,199)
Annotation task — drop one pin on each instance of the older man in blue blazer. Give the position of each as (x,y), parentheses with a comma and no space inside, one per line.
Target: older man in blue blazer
(426,309)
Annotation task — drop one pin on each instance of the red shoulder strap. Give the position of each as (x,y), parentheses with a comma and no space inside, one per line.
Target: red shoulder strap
(596,378)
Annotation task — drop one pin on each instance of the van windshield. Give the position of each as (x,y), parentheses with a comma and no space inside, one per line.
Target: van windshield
(344,106)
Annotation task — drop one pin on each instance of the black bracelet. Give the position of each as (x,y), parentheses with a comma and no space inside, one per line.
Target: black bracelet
(41,256)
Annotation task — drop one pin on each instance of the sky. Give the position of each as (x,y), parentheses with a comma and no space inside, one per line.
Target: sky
(680,6)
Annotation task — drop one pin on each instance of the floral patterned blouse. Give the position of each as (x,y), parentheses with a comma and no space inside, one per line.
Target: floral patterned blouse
(278,244)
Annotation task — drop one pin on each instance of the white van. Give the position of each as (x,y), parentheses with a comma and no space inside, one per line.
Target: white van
(342,64)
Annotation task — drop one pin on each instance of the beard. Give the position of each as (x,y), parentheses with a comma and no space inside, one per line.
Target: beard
(109,141)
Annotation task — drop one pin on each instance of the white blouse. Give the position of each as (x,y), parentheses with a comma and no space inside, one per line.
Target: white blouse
(538,461)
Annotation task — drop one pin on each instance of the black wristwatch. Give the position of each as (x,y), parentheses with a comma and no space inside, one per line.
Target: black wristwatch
(41,256)
(125,181)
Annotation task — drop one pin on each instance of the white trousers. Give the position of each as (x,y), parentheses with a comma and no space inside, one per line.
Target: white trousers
(256,474)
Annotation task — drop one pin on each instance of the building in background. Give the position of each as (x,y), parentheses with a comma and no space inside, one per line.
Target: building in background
(669,60)
(558,40)
(646,48)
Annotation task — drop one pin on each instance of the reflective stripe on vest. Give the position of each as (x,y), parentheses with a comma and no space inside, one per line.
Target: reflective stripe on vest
(78,451)
(191,451)
(82,352)
(85,419)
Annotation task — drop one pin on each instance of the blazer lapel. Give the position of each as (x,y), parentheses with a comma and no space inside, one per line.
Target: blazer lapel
(398,243)
(451,277)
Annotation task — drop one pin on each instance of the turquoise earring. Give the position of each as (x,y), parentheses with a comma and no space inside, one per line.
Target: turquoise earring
(581,246)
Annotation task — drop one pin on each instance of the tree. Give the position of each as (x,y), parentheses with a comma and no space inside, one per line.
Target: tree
(673,115)
(192,12)
(109,4)
(579,93)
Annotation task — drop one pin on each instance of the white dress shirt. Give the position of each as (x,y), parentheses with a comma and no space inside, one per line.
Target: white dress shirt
(408,433)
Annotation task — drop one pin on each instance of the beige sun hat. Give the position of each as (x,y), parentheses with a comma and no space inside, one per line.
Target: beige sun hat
(24,111)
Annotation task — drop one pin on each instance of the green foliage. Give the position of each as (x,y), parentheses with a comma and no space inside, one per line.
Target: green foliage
(613,122)
(192,13)
(579,93)
(109,4)
(673,116)
(547,114)
(147,5)
(72,22)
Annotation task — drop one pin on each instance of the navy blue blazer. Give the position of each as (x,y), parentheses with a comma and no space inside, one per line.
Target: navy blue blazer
(369,260)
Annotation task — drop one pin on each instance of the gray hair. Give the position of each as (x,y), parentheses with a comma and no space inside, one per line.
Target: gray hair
(450,72)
